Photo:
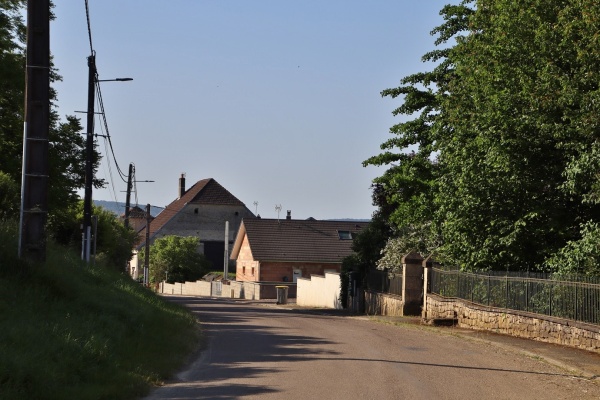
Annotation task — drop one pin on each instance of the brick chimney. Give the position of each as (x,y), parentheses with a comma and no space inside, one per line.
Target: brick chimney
(181,185)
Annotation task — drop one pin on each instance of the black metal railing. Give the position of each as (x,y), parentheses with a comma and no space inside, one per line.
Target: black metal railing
(575,297)
(384,282)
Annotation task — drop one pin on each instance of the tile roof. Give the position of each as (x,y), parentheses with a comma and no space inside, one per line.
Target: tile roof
(136,212)
(296,240)
(206,191)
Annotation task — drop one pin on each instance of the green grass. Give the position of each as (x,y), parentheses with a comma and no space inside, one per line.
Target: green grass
(69,331)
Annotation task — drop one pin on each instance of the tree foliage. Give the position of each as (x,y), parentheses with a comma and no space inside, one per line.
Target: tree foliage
(176,259)
(66,142)
(407,191)
(9,197)
(114,242)
(12,86)
(504,174)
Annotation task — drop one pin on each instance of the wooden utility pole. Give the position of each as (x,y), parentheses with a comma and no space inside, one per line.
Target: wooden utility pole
(147,252)
(34,175)
(89,162)
(128,196)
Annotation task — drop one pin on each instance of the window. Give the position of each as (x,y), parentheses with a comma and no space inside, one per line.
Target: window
(345,235)
(243,270)
(195,211)
(252,271)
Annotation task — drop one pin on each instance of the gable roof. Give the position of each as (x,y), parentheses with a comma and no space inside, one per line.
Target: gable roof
(296,240)
(206,191)
(136,212)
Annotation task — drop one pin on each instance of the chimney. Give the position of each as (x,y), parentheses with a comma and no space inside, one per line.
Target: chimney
(289,215)
(181,185)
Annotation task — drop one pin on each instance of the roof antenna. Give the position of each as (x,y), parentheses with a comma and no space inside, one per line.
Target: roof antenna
(256,207)
(278,209)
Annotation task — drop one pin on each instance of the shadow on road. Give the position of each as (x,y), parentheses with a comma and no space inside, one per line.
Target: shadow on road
(238,338)
(247,343)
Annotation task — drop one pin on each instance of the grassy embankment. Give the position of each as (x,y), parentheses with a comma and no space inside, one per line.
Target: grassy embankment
(69,331)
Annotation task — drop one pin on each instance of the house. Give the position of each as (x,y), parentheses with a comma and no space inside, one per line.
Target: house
(201,211)
(137,218)
(273,250)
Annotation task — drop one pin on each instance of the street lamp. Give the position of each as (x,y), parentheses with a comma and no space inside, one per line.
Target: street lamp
(114,80)
(89,153)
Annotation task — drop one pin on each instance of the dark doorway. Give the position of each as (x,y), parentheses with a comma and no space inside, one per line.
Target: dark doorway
(214,253)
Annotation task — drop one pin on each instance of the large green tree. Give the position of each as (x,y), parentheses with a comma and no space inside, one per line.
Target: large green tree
(67,145)
(508,130)
(406,192)
(176,259)
(516,108)
(12,86)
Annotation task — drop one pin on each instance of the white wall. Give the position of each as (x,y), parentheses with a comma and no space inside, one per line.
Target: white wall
(198,288)
(319,291)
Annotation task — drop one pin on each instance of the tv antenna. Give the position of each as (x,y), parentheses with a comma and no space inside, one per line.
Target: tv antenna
(256,207)
(278,209)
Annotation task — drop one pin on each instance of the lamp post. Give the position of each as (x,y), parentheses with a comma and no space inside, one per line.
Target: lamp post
(89,154)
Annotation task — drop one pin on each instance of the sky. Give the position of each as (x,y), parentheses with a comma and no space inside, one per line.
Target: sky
(277,100)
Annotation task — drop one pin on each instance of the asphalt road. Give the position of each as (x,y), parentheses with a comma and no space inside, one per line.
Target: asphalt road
(260,350)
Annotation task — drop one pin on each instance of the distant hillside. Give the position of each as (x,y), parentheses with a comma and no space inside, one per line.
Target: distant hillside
(118,208)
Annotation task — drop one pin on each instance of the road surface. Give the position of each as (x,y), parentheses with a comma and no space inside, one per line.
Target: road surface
(260,350)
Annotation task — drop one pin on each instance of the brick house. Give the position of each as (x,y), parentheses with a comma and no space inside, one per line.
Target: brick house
(272,250)
(200,211)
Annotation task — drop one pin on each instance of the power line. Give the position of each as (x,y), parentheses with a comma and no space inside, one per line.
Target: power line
(99,96)
(107,133)
(93,88)
(110,174)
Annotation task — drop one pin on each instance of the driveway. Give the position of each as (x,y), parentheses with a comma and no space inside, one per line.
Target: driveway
(261,350)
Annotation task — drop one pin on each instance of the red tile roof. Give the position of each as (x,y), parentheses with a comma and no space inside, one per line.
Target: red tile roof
(297,240)
(206,191)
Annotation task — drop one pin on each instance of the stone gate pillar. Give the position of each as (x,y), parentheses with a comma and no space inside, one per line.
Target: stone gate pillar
(427,264)
(412,283)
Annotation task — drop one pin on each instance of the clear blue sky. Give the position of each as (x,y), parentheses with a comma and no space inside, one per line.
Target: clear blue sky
(278,100)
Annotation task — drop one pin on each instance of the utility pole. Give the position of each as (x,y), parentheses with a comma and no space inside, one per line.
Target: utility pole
(130,181)
(89,164)
(226,255)
(128,197)
(147,252)
(34,175)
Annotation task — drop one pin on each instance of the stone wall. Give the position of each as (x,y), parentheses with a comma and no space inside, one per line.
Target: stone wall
(206,221)
(515,323)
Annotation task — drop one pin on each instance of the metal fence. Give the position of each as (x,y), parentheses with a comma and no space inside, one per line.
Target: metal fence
(384,282)
(574,298)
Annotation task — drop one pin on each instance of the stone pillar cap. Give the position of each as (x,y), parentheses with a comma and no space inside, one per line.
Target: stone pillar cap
(412,258)
(430,262)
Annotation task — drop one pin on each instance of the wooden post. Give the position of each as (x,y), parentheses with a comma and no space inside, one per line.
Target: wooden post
(147,252)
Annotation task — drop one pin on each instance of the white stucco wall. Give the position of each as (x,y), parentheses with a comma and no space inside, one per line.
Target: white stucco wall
(319,291)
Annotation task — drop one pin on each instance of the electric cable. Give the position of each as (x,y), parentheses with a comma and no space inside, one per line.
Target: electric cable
(122,175)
